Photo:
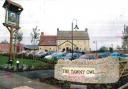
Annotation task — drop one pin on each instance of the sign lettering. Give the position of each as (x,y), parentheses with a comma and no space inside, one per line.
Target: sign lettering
(75,71)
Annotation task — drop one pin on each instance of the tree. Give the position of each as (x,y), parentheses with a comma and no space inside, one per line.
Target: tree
(35,38)
(125,38)
(110,49)
(18,36)
(4,42)
(118,47)
(103,49)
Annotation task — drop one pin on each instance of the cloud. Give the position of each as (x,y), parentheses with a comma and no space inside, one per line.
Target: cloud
(101,17)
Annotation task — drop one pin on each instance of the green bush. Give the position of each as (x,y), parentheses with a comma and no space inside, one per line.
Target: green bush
(50,61)
(28,64)
(64,84)
(103,49)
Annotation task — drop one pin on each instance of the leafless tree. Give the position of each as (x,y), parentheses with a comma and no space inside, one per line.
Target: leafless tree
(35,38)
(125,38)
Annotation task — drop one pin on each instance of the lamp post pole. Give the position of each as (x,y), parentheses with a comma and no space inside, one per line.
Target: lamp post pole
(76,27)
(95,42)
(96,50)
(72,40)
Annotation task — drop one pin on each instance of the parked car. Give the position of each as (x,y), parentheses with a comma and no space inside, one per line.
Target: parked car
(103,55)
(27,53)
(52,55)
(22,52)
(60,56)
(48,56)
(46,53)
(69,56)
(118,55)
(88,56)
(39,54)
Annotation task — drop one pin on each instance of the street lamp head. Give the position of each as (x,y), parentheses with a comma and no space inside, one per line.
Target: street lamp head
(76,27)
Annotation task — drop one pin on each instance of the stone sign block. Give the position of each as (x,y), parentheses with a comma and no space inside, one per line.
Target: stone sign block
(105,70)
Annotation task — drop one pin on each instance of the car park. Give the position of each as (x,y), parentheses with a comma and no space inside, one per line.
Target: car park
(103,55)
(46,53)
(88,56)
(60,55)
(52,55)
(40,54)
(69,56)
(22,52)
(118,55)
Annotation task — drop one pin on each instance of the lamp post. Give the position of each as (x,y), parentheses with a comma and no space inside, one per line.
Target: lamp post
(76,27)
(96,48)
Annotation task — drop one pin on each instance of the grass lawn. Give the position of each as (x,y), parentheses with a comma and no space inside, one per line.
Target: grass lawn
(3,60)
(37,64)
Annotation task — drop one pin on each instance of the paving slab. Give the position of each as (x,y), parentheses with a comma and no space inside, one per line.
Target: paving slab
(23,87)
(10,80)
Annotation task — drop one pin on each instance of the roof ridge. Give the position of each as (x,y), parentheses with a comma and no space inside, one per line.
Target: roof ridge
(49,35)
(73,31)
(14,3)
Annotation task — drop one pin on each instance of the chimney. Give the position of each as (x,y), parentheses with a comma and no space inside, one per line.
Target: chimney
(86,29)
(57,29)
(42,33)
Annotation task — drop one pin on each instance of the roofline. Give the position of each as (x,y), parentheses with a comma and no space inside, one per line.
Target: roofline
(71,31)
(47,45)
(13,3)
(71,39)
(65,42)
(49,35)
(4,43)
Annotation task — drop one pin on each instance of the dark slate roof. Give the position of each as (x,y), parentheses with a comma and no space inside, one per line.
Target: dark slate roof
(77,35)
(12,5)
(31,46)
(47,40)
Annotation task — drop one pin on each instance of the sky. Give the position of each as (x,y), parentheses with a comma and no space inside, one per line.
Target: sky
(104,19)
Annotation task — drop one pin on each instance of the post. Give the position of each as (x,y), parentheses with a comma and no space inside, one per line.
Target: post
(11,45)
(72,40)
(11,30)
(12,21)
(96,50)
(76,27)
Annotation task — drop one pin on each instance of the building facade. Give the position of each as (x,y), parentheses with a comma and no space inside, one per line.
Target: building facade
(79,40)
(4,47)
(64,40)
(47,43)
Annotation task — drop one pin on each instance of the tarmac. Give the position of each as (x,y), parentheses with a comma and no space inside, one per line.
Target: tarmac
(9,80)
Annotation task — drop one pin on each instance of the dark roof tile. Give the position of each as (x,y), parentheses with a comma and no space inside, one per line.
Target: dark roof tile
(47,41)
(77,35)
(12,4)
